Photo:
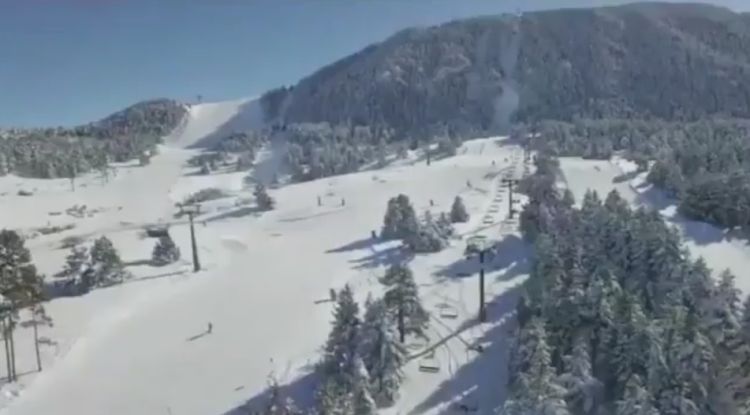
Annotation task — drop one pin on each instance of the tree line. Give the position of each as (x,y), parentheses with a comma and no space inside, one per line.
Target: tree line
(68,152)
(704,164)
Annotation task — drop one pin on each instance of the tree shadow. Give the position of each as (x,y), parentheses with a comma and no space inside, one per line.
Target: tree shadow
(354,246)
(385,257)
(306,217)
(235,213)
(137,263)
(699,232)
(480,383)
(509,254)
(624,177)
(301,390)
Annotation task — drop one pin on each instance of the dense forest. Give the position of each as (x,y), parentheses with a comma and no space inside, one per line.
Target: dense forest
(617,318)
(68,152)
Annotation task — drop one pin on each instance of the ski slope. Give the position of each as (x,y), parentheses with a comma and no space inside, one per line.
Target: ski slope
(142,347)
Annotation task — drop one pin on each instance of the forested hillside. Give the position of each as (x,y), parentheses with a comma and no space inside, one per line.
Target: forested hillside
(617,318)
(67,152)
(667,61)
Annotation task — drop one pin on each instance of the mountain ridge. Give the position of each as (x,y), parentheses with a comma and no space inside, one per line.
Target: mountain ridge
(644,60)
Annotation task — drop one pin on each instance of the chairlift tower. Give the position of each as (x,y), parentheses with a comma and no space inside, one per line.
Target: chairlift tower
(191,211)
(510,183)
(478,245)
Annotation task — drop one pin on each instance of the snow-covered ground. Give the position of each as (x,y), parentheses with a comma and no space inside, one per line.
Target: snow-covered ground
(141,347)
(719,249)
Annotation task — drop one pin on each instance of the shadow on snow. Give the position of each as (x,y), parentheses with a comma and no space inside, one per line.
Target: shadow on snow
(510,255)
(301,389)
(354,246)
(479,385)
(701,233)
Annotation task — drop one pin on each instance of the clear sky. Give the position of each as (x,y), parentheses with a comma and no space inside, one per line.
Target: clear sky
(64,62)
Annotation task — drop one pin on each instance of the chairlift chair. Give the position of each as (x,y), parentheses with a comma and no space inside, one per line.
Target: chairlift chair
(447,311)
(429,364)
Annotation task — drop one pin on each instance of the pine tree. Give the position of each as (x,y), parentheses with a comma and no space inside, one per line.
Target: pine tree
(402,299)
(568,200)
(264,201)
(20,286)
(107,267)
(165,251)
(382,354)
(534,390)
(636,400)
(76,263)
(400,221)
(631,339)
(458,211)
(277,404)
(363,404)
(429,236)
(344,335)
(382,153)
(583,390)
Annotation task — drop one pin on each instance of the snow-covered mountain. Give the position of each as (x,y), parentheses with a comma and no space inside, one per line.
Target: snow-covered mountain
(143,346)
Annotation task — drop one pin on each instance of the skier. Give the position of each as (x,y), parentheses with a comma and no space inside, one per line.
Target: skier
(210,327)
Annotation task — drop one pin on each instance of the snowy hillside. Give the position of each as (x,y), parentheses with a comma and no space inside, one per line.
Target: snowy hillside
(142,347)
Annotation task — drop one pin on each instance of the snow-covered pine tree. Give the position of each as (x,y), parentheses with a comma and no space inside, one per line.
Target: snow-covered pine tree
(76,263)
(106,264)
(165,251)
(392,221)
(583,390)
(428,237)
(400,221)
(343,339)
(636,400)
(332,398)
(363,404)
(382,353)
(382,152)
(568,200)
(20,286)
(402,299)
(458,211)
(631,339)
(444,225)
(277,404)
(264,201)
(535,390)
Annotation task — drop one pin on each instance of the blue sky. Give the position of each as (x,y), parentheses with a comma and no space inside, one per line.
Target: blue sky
(64,62)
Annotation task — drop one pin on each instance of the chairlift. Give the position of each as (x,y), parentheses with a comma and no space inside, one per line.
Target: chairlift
(157,231)
(429,364)
(447,311)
